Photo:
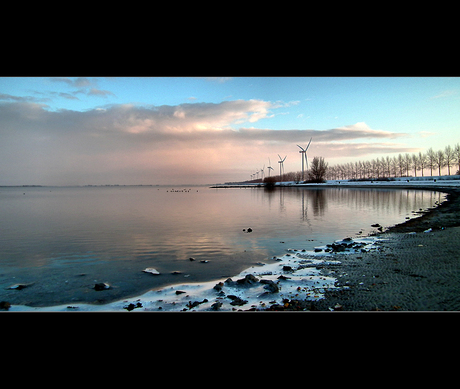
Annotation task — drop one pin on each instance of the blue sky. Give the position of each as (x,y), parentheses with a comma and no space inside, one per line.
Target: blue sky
(220,117)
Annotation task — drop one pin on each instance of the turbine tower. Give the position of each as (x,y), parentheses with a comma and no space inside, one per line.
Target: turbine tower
(303,153)
(281,165)
(263,173)
(269,167)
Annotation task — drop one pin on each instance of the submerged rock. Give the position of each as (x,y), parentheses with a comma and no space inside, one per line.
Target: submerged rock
(101,286)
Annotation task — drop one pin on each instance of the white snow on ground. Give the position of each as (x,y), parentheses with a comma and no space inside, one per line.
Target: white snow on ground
(303,282)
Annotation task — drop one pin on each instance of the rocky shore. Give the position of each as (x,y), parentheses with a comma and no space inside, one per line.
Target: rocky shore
(416,269)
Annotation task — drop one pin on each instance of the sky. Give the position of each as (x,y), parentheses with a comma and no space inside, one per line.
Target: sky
(206,130)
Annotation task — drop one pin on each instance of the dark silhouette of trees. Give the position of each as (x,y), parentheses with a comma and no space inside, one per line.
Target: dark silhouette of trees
(318,170)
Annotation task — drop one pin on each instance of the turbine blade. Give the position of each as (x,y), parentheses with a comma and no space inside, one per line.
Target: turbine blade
(300,148)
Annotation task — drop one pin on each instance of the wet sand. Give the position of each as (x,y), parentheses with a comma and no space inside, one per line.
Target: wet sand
(411,272)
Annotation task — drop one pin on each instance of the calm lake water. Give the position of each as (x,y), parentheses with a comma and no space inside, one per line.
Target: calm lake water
(63,240)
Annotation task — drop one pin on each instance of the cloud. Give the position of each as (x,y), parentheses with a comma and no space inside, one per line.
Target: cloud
(78,82)
(5,96)
(446,93)
(125,143)
(100,92)
(84,85)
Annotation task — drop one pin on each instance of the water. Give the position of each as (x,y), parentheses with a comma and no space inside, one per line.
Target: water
(63,240)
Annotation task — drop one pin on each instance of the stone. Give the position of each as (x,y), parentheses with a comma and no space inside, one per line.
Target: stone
(131,306)
(216,306)
(191,305)
(219,286)
(248,279)
(5,305)
(151,270)
(101,286)
(287,268)
(236,300)
(19,286)
(270,286)
(281,277)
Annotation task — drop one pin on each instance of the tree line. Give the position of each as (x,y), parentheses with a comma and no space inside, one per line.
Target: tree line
(403,165)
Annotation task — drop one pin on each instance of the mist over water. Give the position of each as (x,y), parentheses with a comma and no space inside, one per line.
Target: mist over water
(66,238)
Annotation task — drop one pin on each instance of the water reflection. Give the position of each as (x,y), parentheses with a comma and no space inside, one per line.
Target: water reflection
(89,225)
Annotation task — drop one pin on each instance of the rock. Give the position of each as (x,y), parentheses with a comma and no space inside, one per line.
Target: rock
(216,306)
(131,306)
(19,286)
(151,270)
(191,305)
(287,268)
(236,300)
(375,225)
(192,259)
(180,291)
(5,305)
(270,286)
(204,261)
(248,279)
(318,250)
(249,229)
(101,286)
(176,272)
(281,277)
(219,286)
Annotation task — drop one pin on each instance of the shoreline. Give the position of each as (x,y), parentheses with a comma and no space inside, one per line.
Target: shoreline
(394,270)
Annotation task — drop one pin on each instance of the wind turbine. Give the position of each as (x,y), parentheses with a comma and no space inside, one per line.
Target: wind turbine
(303,152)
(281,164)
(269,167)
(263,173)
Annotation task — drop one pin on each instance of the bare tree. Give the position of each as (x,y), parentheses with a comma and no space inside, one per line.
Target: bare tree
(318,169)
(431,159)
(440,160)
(422,161)
(457,155)
(415,164)
(407,163)
(400,164)
(449,157)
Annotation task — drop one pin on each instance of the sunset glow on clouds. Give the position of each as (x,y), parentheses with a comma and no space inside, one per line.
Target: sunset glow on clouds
(192,142)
